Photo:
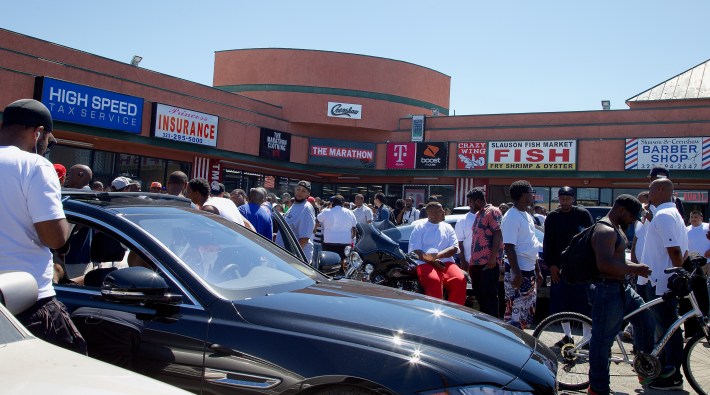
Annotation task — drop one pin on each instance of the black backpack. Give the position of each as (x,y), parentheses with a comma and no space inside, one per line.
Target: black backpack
(578,264)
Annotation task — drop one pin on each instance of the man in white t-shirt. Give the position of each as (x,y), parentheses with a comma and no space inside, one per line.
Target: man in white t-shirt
(464,234)
(32,217)
(434,242)
(522,273)
(363,214)
(409,214)
(338,226)
(698,240)
(665,246)
(198,190)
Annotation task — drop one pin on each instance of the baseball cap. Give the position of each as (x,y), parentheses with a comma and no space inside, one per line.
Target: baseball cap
(156,184)
(304,184)
(60,169)
(659,171)
(566,191)
(28,112)
(630,203)
(120,182)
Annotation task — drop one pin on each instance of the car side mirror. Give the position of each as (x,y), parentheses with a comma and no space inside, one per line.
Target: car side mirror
(134,285)
(18,290)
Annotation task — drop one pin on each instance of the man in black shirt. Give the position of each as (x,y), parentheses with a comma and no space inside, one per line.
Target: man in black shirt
(560,226)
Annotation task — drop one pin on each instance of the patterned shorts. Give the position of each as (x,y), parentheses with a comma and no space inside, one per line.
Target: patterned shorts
(520,303)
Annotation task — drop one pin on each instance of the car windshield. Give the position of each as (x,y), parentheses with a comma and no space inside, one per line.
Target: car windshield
(237,263)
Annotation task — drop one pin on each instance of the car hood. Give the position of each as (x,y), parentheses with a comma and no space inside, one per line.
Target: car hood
(36,367)
(459,344)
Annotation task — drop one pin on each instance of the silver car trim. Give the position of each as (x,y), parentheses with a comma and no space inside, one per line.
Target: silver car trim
(221,377)
(194,303)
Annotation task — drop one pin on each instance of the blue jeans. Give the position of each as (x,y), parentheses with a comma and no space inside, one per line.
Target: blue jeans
(664,316)
(317,248)
(610,303)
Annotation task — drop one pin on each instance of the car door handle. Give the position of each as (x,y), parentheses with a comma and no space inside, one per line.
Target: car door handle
(220,349)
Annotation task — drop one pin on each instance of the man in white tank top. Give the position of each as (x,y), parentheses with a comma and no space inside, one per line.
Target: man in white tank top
(198,190)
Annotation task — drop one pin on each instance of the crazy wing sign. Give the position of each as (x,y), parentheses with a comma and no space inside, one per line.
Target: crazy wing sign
(471,155)
(532,155)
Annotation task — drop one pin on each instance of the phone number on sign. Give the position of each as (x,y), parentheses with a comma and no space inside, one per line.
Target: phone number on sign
(670,166)
(180,137)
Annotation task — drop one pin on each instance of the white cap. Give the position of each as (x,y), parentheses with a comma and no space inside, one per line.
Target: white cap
(120,182)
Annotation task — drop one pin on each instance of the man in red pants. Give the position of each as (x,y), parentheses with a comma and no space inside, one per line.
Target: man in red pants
(435,244)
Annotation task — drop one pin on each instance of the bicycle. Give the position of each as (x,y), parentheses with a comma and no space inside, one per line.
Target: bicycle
(568,335)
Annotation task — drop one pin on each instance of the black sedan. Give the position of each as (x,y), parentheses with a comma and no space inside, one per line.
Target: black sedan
(196,301)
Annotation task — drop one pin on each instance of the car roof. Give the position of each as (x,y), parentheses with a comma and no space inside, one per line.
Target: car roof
(124,199)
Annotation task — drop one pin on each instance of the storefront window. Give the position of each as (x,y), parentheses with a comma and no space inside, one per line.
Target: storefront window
(103,166)
(152,169)
(172,166)
(127,165)
(445,194)
(70,156)
(588,196)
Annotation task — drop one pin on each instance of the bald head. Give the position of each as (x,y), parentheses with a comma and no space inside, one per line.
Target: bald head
(78,177)
(660,191)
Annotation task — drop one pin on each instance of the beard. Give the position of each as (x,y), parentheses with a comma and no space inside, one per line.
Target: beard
(297,200)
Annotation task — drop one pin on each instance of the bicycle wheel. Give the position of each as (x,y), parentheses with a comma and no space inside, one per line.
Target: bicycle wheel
(696,363)
(560,332)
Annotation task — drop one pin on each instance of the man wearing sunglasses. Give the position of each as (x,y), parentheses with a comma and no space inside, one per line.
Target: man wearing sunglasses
(31,228)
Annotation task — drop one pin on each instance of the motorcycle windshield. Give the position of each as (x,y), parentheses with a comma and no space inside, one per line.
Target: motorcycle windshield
(371,239)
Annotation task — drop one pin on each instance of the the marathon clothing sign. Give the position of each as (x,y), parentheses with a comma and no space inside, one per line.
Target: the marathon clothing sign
(532,155)
(179,124)
(401,155)
(344,110)
(341,153)
(471,155)
(432,156)
(673,153)
(275,145)
(85,105)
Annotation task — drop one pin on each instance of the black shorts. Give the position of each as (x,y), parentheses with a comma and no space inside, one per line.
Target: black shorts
(49,320)
(337,248)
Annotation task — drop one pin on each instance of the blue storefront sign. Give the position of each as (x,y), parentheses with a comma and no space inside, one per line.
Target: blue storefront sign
(85,105)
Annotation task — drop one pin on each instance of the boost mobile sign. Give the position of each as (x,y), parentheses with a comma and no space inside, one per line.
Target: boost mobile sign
(680,153)
(532,155)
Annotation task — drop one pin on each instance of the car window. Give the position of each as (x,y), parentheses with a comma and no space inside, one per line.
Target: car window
(236,262)
(8,332)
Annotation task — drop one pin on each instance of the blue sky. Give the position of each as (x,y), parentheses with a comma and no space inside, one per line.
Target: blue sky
(502,56)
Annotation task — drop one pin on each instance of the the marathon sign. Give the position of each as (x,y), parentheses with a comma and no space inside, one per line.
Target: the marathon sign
(532,155)
(84,105)
(344,110)
(401,156)
(432,156)
(471,155)
(275,145)
(340,153)
(179,124)
(677,153)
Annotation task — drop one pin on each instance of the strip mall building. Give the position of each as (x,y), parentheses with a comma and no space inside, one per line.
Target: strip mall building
(351,124)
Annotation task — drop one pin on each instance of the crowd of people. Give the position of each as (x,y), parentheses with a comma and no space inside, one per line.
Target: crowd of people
(480,241)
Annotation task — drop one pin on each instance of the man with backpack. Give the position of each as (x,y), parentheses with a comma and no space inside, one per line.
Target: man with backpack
(610,296)
(560,226)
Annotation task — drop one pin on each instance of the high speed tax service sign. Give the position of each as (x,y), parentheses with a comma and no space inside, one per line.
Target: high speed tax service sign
(532,155)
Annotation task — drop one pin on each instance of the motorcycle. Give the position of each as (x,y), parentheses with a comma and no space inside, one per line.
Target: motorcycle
(377,259)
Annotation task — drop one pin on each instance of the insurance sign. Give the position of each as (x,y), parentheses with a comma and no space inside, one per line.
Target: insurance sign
(179,124)
(532,155)
(677,153)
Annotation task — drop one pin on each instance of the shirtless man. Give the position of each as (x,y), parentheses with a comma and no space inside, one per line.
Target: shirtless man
(609,294)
